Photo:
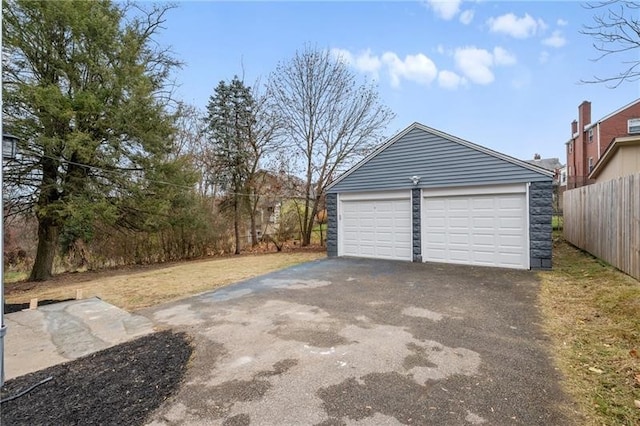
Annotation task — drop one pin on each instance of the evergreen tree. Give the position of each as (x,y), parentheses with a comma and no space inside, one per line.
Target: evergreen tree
(84,87)
(230,124)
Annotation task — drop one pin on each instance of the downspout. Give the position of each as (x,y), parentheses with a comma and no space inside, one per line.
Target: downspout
(527,187)
(598,132)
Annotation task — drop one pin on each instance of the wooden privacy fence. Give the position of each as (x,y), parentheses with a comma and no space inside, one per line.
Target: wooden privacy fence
(604,219)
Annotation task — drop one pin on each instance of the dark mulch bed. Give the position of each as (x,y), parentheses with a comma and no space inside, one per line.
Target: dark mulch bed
(17,307)
(121,385)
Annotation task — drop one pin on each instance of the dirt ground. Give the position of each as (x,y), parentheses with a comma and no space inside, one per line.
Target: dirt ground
(117,386)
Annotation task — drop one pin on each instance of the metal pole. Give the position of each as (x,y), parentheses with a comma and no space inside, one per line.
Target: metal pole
(10,142)
(3,328)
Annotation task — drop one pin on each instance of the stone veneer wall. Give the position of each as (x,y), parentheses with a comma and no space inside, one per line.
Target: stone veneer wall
(540,212)
(332,224)
(416,198)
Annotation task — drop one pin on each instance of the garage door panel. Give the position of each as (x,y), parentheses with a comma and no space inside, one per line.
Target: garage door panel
(481,223)
(511,223)
(479,230)
(459,255)
(510,202)
(483,203)
(484,240)
(510,241)
(377,228)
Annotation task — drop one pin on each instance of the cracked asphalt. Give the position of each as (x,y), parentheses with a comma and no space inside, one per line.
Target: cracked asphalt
(366,342)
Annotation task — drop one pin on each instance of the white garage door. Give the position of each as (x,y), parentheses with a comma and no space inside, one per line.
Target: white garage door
(377,228)
(487,230)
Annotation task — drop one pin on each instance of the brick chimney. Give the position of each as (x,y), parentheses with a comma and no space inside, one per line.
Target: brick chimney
(574,127)
(584,115)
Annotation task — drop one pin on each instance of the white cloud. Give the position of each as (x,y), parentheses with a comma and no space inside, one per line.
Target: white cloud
(516,27)
(474,65)
(445,9)
(450,80)
(544,57)
(561,22)
(363,61)
(417,68)
(502,57)
(467,16)
(440,49)
(556,40)
(342,55)
(477,64)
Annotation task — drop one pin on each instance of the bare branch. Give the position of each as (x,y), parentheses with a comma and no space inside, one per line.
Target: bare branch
(616,31)
(328,119)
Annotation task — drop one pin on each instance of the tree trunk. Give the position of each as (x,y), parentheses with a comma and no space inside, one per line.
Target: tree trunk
(254,232)
(253,211)
(310,220)
(47,242)
(236,224)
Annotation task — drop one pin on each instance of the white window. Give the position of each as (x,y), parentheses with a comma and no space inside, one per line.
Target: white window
(633,126)
(563,178)
(570,147)
(591,135)
(590,164)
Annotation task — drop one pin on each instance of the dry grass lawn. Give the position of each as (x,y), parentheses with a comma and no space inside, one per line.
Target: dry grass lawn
(136,288)
(592,312)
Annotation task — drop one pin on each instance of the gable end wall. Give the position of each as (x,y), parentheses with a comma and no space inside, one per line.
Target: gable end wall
(439,162)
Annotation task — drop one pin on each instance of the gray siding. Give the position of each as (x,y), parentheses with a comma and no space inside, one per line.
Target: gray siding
(540,212)
(332,224)
(416,206)
(438,161)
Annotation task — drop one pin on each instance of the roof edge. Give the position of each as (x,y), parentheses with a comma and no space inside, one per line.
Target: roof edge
(455,139)
(610,152)
(486,150)
(381,148)
(611,114)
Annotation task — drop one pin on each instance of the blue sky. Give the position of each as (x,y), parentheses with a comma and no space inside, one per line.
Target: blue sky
(501,74)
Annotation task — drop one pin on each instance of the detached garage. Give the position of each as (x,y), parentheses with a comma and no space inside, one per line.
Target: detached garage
(428,196)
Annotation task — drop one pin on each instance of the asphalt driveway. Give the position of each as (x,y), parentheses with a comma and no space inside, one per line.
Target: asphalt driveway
(350,341)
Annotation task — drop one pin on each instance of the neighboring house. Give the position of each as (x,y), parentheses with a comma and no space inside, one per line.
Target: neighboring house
(275,190)
(622,158)
(553,165)
(589,141)
(562,173)
(425,195)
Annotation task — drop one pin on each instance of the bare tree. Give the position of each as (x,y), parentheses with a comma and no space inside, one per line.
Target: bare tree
(262,143)
(329,119)
(190,140)
(616,31)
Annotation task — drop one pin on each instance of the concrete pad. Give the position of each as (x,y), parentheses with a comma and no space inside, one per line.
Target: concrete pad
(57,333)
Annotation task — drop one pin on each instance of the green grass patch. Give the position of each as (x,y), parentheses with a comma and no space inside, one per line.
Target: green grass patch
(592,313)
(12,276)
(557,222)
